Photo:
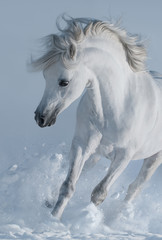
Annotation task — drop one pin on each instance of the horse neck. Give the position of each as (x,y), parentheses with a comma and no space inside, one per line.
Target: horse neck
(111,74)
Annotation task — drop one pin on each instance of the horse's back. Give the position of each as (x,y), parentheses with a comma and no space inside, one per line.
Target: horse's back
(153,143)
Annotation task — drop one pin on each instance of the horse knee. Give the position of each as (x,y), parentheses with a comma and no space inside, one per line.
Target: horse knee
(67,189)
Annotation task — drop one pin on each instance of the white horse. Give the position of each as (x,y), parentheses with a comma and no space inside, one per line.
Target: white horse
(120,112)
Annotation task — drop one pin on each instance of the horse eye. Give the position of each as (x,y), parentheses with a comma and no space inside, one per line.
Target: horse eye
(63,83)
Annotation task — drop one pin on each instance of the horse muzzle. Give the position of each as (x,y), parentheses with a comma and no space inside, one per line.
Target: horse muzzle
(45,120)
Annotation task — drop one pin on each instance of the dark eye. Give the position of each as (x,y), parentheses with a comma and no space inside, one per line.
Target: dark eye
(63,83)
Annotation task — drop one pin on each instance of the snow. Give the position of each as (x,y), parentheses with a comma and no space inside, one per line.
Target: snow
(33,161)
(34,179)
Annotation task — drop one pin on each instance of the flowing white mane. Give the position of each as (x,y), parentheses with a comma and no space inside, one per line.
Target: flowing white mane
(65,43)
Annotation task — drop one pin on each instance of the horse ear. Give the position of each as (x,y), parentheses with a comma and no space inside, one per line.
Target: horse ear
(72,51)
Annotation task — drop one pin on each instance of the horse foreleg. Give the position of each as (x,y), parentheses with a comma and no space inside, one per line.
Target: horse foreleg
(117,166)
(78,156)
(68,186)
(148,168)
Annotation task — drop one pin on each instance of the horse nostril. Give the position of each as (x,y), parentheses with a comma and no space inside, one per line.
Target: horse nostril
(42,116)
(41,119)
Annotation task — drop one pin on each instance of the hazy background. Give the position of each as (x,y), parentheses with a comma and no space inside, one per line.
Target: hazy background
(32,166)
(22,23)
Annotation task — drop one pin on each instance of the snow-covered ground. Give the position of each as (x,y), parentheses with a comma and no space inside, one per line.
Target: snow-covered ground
(33,161)
(35,177)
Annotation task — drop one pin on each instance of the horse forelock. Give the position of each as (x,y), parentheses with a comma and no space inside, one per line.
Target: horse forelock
(77,29)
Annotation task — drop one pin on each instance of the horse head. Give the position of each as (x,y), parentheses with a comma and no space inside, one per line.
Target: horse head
(63,86)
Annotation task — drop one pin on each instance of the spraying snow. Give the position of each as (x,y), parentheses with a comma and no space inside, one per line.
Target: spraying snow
(35,178)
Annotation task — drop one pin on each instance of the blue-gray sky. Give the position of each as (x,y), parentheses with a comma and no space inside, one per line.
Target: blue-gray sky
(22,23)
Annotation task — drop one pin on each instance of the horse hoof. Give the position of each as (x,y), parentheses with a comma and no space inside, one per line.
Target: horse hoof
(98,195)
